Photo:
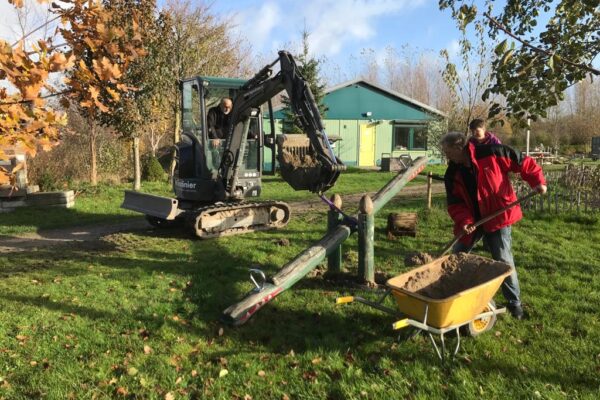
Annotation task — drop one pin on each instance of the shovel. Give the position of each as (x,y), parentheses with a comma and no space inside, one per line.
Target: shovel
(486,219)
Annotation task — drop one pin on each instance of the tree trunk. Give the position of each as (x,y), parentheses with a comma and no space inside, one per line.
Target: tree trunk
(136,164)
(153,142)
(94,166)
(176,138)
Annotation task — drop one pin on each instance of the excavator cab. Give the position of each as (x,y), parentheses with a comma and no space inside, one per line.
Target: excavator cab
(200,157)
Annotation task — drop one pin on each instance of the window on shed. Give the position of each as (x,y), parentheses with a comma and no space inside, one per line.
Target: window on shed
(401,138)
(419,138)
(410,137)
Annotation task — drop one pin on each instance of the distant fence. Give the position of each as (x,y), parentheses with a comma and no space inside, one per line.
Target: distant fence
(575,189)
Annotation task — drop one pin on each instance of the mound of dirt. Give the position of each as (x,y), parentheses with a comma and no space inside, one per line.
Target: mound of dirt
(413,259)
(297,160)
(459,272)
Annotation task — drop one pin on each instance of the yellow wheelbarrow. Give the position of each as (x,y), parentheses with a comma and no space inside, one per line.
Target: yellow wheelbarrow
(448,295)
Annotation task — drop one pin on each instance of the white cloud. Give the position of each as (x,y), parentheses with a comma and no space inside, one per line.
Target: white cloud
(453,48)
(332,24)
(256,25)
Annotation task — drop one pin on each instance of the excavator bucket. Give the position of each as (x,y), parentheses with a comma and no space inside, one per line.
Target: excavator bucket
(300,168)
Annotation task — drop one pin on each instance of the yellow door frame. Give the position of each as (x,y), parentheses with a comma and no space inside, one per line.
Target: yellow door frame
(363,161)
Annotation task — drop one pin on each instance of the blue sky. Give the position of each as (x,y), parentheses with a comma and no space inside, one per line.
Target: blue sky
(340,29)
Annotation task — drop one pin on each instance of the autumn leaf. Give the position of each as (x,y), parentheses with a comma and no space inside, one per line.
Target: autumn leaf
(16,3)
(60,62)
(121,391)
(147,349)
(101,106)
(115,96)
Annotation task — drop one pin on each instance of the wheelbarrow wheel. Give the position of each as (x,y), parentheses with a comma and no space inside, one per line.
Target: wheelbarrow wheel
(478,326)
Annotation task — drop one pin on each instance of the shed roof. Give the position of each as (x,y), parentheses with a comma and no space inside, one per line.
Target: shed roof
(383,97)
(388,91)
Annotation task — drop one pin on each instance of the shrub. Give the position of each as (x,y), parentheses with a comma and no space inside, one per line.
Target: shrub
(48,182)
(151,169)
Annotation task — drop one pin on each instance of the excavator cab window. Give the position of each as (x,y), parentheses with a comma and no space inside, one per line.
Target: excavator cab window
(192,123)
(253,157)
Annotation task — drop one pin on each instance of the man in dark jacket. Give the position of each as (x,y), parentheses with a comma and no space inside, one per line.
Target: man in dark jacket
(218,119)
(477,185)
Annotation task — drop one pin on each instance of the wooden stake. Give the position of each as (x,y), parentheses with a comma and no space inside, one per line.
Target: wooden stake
(366,239)
(383,196)
(429,183)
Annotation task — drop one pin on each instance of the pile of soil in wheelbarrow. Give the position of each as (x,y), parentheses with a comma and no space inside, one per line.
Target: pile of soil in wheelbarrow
(459,272)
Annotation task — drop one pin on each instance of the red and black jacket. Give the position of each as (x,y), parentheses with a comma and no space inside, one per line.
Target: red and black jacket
(491,165)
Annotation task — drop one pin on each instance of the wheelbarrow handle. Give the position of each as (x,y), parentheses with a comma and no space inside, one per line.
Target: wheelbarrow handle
(486,219)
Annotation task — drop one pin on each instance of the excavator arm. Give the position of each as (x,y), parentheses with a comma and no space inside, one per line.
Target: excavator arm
(305,165)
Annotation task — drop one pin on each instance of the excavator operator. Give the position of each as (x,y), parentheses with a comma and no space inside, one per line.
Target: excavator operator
(218,119)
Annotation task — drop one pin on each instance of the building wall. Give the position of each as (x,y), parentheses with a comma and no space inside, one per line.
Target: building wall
(360,104)
(347,149)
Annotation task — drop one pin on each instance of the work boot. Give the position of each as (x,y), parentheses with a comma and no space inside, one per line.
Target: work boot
(516,311)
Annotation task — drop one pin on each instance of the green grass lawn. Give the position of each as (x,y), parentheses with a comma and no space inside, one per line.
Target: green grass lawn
(101,204)
(137,316)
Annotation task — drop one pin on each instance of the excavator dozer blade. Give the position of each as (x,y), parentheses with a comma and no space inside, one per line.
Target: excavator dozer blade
(156,206)
(299,168)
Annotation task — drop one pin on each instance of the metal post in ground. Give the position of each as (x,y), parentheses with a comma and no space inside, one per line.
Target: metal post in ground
(366,240)
(334,260)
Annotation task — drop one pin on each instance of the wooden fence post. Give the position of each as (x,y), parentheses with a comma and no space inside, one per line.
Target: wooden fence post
(429,189)
(366,239)
(334,260)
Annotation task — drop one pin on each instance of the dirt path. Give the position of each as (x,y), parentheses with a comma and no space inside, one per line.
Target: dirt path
(90,233)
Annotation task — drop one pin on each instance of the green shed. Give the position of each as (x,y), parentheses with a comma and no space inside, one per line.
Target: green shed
(374,122)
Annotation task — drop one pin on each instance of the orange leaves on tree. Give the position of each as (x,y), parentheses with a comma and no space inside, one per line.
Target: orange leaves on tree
(104,52)
(106,70)
(98,57)
(16,3)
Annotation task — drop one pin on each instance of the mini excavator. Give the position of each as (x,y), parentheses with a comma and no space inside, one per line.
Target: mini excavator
(215,178)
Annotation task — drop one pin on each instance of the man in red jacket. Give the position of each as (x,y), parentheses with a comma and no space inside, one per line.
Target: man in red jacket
(477,185)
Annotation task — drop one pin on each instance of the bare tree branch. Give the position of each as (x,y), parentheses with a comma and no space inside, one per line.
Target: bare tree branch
(33,31)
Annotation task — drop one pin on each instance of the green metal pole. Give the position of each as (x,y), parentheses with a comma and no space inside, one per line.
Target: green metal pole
(292,272)
(366,240)
(334,260)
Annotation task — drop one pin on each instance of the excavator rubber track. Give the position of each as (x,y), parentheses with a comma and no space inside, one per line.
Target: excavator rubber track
(227,219)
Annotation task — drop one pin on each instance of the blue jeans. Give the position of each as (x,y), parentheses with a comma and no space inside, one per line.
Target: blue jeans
(499,243)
